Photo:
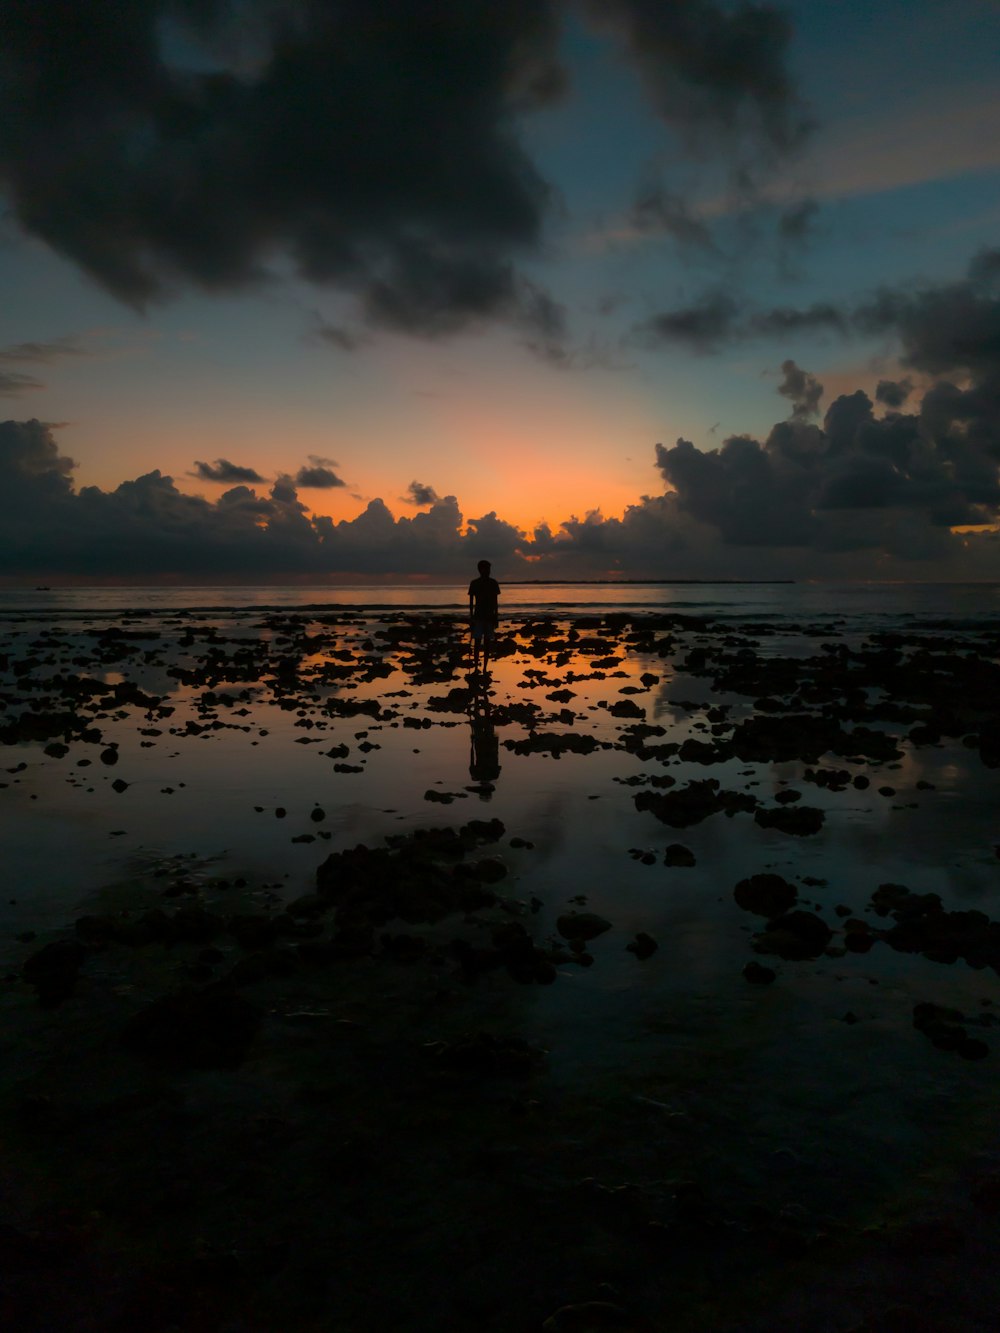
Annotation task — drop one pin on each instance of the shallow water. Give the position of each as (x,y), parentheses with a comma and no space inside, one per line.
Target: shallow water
(678,1048)
(863,606)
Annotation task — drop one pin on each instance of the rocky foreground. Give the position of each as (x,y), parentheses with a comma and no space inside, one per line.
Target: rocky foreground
(398,1097)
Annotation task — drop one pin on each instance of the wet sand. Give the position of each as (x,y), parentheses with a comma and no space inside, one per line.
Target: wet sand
(654,975)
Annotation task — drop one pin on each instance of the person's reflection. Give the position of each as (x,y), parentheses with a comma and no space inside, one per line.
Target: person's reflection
(484,751)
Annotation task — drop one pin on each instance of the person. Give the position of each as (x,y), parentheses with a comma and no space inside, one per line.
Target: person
(484,593)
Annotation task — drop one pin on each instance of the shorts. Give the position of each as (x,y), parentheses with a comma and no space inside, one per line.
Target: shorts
(483,627)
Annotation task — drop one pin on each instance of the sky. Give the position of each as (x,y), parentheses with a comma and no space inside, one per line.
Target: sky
(322,289)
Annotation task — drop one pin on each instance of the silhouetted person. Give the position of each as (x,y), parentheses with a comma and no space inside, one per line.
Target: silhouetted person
(484,593)
(484,755)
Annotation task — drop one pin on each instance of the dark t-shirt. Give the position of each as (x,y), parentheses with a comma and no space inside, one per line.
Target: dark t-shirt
(483,594)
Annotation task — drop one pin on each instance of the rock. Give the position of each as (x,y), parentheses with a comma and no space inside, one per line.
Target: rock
(759,975)
(109,756)
(96,930)
(308,905)
(207,1028)
(53,970)
(252,932)
(488,830)
(788,797)
(944,1028)
(971,1048)
(766,894)
(679,855)
(195,925)
(643,946)
(931,1237)
(403,948)
(119,785)
(490,870)
(795,935)
(985,1193)
(581,925)
(693,803)
(799,820)
(483,1054)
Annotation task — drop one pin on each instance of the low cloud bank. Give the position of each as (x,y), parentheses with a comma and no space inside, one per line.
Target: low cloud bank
(858,496)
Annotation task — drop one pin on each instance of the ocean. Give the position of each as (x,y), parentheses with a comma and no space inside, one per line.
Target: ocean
(856,607)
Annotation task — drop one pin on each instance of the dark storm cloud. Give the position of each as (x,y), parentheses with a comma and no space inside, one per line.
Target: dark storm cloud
(147,526)
(702,327)
(224,472)
(718,319)
(374,145)
(705,67)
(893,393)
(319,475)
(780,321)
(899,482)
(801,389)
(945,328)
(809,501)
(795,488)
(419,494)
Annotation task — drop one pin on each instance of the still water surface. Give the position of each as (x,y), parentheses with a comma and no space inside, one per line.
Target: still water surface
(857,605)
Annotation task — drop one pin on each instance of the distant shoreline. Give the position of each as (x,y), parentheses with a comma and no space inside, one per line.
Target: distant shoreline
(615,583)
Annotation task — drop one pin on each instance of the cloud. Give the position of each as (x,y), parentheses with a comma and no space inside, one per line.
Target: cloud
(779,321)
(319,475)
(334,335)
(896,484)
(893,393)
(855,496)
(795,223)
(801,389)
(942,328)
(859,496)
(43,352)
(419,494)
(946,328)
(14,382)
(373,148)
(717,319)
(658,212)
(708,70)
(224,472)
(701,327)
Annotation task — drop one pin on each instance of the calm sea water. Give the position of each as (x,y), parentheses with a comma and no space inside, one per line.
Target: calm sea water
(852,605)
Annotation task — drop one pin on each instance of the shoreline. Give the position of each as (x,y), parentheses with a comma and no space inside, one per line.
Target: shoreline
(355,1097)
